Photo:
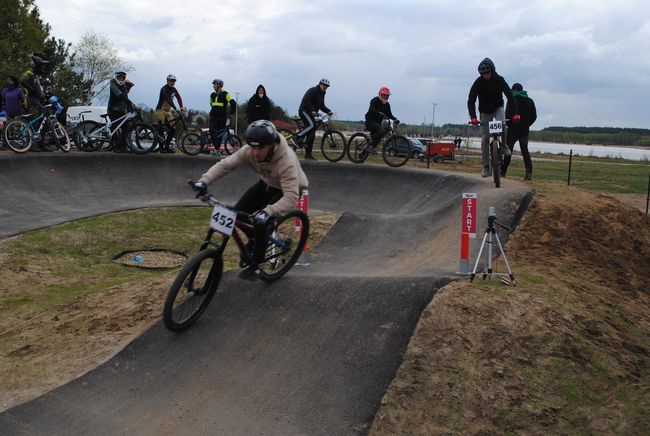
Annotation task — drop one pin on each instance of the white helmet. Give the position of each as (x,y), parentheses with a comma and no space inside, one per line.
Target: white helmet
(324,82)
(171,77)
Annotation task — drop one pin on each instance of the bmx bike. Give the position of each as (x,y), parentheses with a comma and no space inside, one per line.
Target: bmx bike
(396,149)
(332,143)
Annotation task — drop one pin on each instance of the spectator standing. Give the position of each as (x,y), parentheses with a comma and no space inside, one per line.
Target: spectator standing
(220,115)
(519,131)
(259,106)
(13,98)
(489,88)
(312,102)
(164,109)
(32,85)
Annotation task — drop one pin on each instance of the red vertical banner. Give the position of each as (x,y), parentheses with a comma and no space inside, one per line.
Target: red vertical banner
(468,228)
(303,205)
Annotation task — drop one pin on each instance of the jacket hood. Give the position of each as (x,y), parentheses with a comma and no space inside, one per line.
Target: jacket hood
(488,61)
(260,86)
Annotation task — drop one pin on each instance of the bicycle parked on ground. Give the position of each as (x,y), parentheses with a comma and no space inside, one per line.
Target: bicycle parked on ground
(332,143)
(171,132)
(197,141)
(141,137)
(22,132)
(396,149)
(198,280)
(496,130)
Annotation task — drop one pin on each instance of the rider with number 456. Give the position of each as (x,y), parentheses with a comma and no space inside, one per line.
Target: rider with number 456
(489,88)
(276,192)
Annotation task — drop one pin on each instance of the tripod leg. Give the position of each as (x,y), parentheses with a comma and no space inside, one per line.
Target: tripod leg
(478,258)
(488,271)
(512,276)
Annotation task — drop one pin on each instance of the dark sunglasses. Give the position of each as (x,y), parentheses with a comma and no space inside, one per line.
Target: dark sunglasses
(385,95)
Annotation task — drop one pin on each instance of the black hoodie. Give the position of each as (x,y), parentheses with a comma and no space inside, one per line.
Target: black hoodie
(258,108)
(490,93)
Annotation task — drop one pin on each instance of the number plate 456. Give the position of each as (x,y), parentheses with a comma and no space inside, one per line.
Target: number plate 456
(495,126)
(223,220)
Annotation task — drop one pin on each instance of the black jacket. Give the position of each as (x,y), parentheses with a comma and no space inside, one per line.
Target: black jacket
(527,112)
(118,100)
(258,108)
(314,101)
(378,110)
(490,95)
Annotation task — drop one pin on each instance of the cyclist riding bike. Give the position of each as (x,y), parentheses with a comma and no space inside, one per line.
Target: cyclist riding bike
(489,88)
(312,102)
(378,110)
(164,108)
(276,192)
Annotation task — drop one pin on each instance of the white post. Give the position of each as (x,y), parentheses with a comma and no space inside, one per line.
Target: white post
(433,119)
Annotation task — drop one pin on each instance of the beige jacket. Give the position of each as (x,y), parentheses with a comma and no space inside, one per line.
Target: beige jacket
(282,172)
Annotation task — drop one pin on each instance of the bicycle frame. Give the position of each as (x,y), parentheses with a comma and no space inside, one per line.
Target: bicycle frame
(105,132)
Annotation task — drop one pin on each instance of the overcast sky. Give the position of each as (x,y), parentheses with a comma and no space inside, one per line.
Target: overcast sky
(585,63)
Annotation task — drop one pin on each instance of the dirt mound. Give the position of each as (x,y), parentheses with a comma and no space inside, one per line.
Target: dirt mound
(566,350)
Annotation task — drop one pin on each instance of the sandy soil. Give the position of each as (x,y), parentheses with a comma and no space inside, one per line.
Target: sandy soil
(567,350)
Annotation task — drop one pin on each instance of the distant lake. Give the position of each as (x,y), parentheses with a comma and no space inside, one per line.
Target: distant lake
(581,149)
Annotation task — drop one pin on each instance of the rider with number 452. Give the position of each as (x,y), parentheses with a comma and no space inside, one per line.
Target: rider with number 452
(276,192)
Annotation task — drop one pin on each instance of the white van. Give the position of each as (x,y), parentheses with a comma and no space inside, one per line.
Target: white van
(90,113)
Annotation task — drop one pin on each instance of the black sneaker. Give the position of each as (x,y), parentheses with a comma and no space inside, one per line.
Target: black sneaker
(310,156)
(250,273)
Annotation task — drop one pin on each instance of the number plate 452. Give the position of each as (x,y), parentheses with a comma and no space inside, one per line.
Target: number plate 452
(223,220)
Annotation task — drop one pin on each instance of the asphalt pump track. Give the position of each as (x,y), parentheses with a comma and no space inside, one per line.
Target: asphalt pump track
(310,354)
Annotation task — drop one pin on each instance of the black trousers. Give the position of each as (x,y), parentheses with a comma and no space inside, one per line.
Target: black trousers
(256,198)
(375,132)
(216,125)
(308,133)
(513,137)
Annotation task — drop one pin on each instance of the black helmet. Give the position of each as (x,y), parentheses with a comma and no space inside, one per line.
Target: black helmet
(486,66)
(517,87)
(217,82)
(261,133)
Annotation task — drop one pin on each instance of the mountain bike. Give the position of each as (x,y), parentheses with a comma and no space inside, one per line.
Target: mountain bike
(21,133)
(141,137)
(196,140)
(197,282)
(396,149)
(332,143)
(171,132)
(495,130)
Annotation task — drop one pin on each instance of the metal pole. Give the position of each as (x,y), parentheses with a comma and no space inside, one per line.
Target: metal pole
(647,200)
(433,119)
(568,182)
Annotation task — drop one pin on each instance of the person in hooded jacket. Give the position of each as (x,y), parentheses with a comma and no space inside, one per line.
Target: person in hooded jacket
(378,110)
(259,106)
(32,85)
(13,98)
(118,105)
(489,88)
(519,131)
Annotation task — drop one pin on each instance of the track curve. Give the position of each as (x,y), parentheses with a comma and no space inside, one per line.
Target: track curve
(310,354)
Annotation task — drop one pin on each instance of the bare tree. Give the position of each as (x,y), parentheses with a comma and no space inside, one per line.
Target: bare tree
(96,59)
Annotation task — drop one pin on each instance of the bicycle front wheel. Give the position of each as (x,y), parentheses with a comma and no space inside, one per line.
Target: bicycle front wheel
(333,146)
(285,244)
(358,147)
(142,138)
(192,290)
(396,151)
(495,155)
(18,136)
(232,144)
(192,143)
(59,136)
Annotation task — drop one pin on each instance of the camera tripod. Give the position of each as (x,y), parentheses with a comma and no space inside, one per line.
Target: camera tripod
(491,233)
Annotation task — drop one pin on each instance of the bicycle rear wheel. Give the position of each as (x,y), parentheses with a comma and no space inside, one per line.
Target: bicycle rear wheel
(232,144)
(142,138)
(58,135)
(333,146)
(192,143)
(285,244)
(18,136)
(396,151)
(358,147)
(496,162)
(192,290)
(83,139)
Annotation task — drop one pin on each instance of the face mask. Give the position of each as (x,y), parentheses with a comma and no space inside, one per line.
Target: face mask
(383,100)
(260,94)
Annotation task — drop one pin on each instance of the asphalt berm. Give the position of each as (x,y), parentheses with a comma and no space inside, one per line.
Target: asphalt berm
(310,354)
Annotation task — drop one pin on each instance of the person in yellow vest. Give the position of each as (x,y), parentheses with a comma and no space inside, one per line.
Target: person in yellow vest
(222,111)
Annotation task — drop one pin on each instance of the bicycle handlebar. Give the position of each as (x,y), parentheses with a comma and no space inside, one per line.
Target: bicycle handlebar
(212,201)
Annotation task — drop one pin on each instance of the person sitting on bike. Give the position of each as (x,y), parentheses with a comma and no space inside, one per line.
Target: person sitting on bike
(378,110)
(220,116)
(312,102)
(118,105)
(276,192)
(164,109)
(489,87)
